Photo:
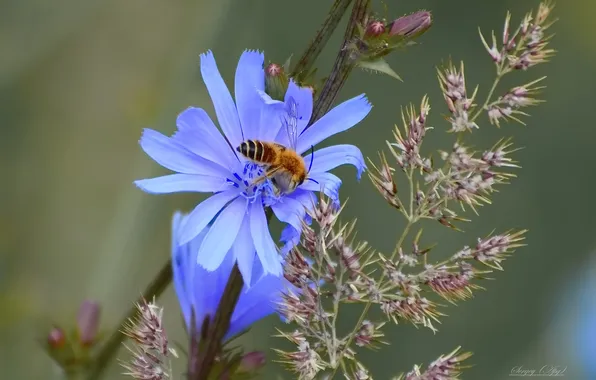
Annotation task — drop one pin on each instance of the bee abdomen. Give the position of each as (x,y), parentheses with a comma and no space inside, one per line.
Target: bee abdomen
(255,150)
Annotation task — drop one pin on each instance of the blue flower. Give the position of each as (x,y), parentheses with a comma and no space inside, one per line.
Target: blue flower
(206,160)
(585,324)
(201,290)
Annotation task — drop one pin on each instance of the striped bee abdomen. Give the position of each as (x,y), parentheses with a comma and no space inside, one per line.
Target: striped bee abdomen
(257,151)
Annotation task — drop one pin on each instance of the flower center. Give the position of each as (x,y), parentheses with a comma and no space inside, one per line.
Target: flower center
(245,180)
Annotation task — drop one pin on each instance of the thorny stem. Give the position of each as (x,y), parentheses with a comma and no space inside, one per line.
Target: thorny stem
(411,181)
(343,65)
(216,331)
(336,300)
(325,324)
(112,345)
(501,71)
(399,243)
(489,96)
(317,44)
(352,335)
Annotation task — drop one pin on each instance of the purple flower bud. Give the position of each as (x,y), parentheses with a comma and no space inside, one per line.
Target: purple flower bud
(88,322)
(411,25)
(56,338)
(273,70)
(252,361)
(375,29)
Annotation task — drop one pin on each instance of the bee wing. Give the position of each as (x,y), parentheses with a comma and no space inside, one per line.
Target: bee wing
(291,123)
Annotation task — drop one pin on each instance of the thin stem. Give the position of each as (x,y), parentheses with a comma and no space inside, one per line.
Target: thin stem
(502,69)
(343,65)
(488,97)
(112,345)
(317,44)
(336,300)
(202,367)
(351,336)
(411,182)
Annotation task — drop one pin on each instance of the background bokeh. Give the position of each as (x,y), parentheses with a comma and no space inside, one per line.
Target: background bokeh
(80,79)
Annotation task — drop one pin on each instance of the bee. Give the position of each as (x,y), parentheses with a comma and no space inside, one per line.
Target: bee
(285,167)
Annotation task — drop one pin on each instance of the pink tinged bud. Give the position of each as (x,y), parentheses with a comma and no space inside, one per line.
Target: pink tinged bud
(506,29)
(273,70)
(252,361)
(276,81)
(56,338)
(375,29)
(88,322)
(411,25)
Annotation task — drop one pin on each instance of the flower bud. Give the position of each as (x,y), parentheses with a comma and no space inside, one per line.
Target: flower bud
(375,29)
(412,25)
(252,361)
(276,81)
(88,322)
(56,338)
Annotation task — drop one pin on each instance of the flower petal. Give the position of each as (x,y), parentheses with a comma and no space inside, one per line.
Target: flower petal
(339,119)
(225,109)
(327,182)
(208,287)
(198,134)
(302,99)
(222,234)
(307,198)
(290,237)
(288,233)
(178,183)
(256,303)
(250,79)
(200,217)
(264,245)
(272,112)
(290,211)
(171,155)
(331,157)
(180,267)
(244,251)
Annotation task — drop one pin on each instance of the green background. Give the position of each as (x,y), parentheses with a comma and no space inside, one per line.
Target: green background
(80,79)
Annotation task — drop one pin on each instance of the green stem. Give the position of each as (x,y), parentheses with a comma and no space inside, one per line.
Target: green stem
(343,65)
(216,331)
(488,97)
(317,44)
(112,345)
(352,335)
(502,70)
(411,182)
(200,367)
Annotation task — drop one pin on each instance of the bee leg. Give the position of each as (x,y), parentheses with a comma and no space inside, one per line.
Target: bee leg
(276,189)
(268,174)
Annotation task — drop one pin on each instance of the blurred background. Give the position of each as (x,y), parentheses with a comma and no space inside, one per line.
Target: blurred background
(80,79)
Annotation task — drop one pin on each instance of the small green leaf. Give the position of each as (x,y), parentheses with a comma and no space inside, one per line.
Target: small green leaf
(286,65)
(379,65)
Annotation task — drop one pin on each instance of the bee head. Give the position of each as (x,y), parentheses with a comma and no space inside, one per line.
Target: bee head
(286,183)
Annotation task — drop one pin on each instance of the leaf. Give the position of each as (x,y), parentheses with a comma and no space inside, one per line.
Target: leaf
(379,65)
(286,65)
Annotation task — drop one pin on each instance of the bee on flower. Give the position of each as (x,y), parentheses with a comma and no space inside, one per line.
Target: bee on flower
(255,161)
